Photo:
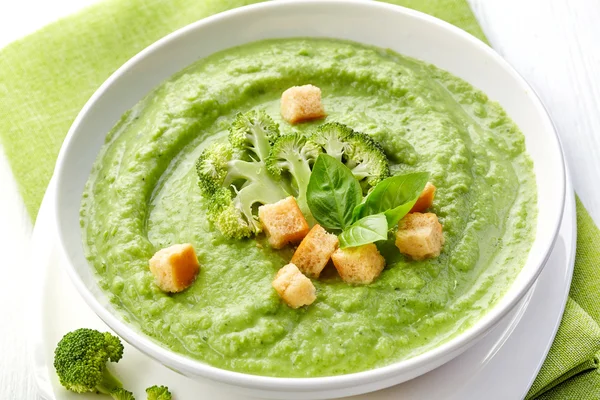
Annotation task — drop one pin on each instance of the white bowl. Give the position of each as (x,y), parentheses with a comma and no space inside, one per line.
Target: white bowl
(406,31)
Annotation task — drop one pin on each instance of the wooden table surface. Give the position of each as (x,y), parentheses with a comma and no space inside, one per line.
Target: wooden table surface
(554,44)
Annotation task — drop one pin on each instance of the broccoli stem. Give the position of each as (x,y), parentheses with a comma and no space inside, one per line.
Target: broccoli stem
(263,192)
(360,171)
(255,173)
(258,187)
(240,169)
(109,382)
(262,144)
(300,170)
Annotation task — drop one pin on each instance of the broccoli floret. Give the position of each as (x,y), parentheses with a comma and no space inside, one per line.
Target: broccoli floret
(367,160)
(253,133)
(233,176)
(356,150)
(333,138)
(225,212)
(122,394)
(212,167)
(294,155)
(158,393)
(80,361)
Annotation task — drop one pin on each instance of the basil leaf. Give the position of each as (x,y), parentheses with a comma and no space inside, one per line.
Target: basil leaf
(366,230)
(332,193)
(394,197)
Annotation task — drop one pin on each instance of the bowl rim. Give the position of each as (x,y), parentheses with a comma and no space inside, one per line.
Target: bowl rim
(184,363)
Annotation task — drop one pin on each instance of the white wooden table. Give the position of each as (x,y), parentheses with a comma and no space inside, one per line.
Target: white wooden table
(554,44)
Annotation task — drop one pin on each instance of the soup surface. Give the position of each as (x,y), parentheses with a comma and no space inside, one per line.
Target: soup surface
(142,195)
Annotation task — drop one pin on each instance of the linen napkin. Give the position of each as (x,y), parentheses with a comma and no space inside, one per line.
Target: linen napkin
(46,78)
(571,368)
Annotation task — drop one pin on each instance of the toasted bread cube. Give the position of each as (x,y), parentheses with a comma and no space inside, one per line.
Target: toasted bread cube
(293,287)
(301,103)
(361,264)
(314,251)
(420,236)
(283,222)
(425,199)
(174,268)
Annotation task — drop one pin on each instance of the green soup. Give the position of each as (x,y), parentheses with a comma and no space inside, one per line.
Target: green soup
(143,195)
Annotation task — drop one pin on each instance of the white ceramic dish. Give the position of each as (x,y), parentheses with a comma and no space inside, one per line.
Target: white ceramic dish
(403,30)
(500,366)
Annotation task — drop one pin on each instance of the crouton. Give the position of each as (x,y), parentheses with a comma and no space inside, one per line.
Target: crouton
(425,199)
(293,287)
(361,264)
(314,251)
(420,236)
(301,103)
(283,222)
(174,268)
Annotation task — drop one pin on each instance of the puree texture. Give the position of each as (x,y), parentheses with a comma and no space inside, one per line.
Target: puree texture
(142,195)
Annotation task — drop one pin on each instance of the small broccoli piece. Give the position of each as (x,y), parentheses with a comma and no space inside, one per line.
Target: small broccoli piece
(233,176)
(212,167)
(80,361)
(225,212)
(367,160)
(358,151)
(294,155)
(333,138)
(254,132)
(158,393)
(122,394)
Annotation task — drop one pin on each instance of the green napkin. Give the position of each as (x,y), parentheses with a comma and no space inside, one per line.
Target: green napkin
(571,368)
(46,78)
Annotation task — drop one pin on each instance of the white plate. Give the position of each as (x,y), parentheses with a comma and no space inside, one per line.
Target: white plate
(402,30)
(499,367)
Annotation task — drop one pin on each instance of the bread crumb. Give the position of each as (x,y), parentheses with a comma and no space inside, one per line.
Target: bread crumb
(295,289)
(175,267)
(283,222)
(315,250)
(361,264)
(425,199)
(301,103)
(420,236)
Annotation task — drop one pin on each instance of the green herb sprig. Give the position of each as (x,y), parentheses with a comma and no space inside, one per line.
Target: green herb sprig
(335,199)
